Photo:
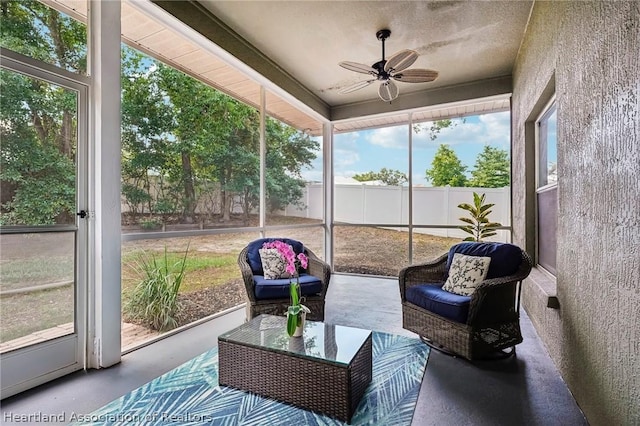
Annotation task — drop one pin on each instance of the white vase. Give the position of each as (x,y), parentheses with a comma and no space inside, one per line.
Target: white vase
(300,327)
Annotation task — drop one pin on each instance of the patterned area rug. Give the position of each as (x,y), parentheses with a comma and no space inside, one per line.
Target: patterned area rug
(190,394)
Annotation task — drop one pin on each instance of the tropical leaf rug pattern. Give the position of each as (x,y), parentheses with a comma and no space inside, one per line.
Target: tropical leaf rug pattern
(190,395)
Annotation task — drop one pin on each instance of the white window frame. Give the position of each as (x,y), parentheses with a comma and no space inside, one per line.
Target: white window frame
(543,186)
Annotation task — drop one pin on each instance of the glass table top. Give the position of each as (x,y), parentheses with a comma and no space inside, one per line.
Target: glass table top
(332,343)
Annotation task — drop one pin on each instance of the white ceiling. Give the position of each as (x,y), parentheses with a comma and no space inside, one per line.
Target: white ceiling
(465,41)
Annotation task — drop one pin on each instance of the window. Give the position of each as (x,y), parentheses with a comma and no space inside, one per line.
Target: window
(547,188)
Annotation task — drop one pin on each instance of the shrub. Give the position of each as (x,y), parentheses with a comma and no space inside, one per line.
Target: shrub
(150,224)
(154,301)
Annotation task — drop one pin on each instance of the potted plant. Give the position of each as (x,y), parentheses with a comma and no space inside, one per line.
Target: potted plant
(296,312)
(479,225)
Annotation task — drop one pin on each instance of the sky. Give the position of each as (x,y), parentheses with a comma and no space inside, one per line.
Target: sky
(371,150)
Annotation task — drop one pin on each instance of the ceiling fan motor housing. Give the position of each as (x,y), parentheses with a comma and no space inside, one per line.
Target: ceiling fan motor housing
(382,74)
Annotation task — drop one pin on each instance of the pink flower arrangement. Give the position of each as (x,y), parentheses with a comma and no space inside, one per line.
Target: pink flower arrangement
(289,256)
(296,311)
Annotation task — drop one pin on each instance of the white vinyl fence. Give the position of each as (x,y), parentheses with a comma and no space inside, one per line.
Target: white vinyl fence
(363,204)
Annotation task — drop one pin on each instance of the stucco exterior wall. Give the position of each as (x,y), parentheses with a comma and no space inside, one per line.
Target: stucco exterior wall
(590,53)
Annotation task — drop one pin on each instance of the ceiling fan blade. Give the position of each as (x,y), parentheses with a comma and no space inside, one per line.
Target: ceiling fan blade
(357,86)
(401,60)
(388,91)
(357,67)
(416,75)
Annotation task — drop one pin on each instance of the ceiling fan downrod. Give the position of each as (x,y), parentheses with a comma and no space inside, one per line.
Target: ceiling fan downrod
(382,35)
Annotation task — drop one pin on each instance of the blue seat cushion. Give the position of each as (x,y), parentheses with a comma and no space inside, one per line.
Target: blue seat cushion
(434,299)
(253,253)
(505,258)
(279,289)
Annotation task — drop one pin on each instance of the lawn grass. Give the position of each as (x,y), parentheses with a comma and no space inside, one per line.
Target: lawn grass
(23,314)
(211,263)
(202,269)
(33,271)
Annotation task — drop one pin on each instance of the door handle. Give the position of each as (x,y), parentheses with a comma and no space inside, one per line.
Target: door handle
(82,214)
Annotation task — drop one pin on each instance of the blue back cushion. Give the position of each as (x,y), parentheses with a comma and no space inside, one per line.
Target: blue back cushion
(505,258)
(253,255)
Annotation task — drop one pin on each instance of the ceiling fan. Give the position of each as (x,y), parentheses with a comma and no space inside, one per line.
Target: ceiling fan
(387,71)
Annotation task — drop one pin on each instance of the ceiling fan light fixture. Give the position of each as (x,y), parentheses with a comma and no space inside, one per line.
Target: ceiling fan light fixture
(388,91)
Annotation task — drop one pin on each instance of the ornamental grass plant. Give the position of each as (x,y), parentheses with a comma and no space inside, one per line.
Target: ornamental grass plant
(154,301)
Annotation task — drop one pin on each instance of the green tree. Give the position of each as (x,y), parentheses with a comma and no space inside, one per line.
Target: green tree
(288,152)
(492,169)
(42,33)
(147,122)
(446,168)
(202,140)
(218,140)
(435,127)
(386,176)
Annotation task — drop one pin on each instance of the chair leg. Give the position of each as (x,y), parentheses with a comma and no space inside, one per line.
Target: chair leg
(495,356)
(499,355)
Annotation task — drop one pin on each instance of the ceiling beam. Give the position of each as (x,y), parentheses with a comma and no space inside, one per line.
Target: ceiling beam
(443,95)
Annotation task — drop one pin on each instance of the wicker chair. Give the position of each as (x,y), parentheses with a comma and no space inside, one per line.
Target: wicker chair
(251,268)
(492,321)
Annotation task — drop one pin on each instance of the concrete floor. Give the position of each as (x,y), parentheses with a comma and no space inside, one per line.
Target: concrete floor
(522,390)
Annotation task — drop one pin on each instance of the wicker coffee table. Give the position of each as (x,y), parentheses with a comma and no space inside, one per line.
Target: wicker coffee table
(326,370)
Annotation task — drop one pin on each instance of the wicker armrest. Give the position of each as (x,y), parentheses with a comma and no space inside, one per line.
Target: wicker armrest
(498,295)
(247,274)
(319,268)
(430,272)
(492,304)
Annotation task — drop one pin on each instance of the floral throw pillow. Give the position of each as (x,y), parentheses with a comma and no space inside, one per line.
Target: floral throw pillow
(466,273)
(273,264)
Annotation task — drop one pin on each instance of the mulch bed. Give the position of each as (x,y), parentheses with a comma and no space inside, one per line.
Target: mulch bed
(202,303)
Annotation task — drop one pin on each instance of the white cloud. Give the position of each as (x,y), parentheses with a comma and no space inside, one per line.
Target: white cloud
(346,140)
(389,137)
(488,129)
(312,175)
(343,158)
(345,151)
(497,128)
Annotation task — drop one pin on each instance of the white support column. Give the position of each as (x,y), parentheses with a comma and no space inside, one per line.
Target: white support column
(263,160)
(104,187)
(327,150)
(410,212)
